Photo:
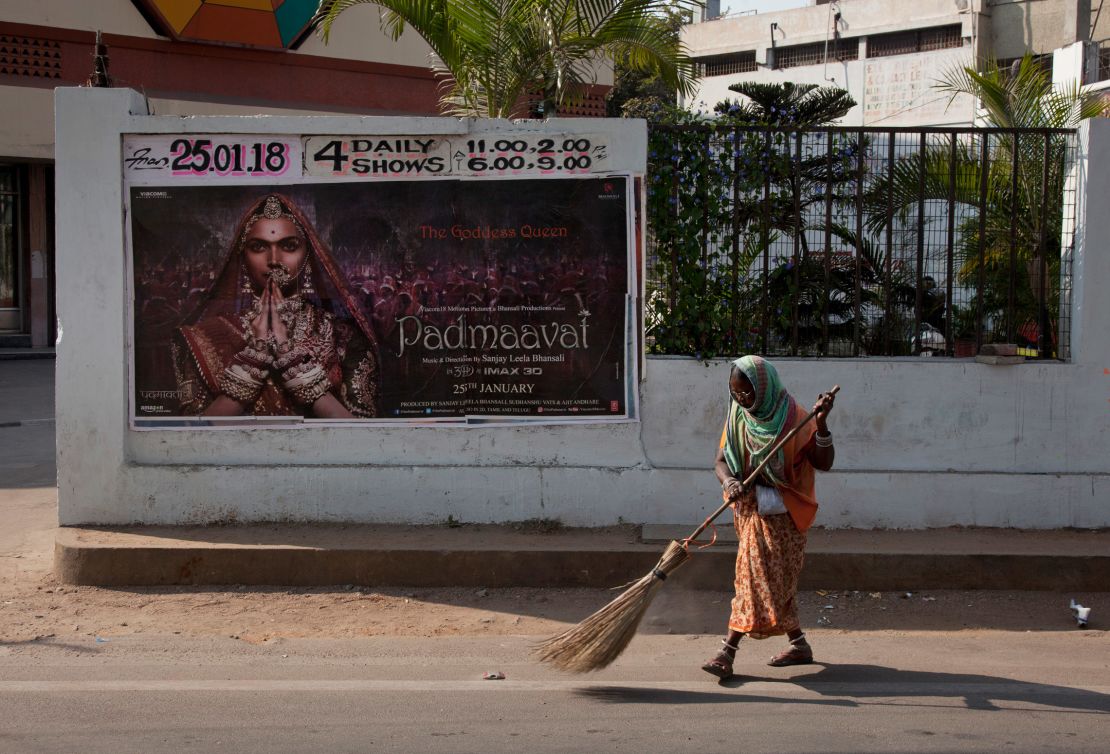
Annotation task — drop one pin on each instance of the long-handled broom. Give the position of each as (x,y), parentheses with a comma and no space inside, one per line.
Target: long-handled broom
(600,638)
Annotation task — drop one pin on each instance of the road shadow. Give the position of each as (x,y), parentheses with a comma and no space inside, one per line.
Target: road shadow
(875,685)
(978,692)
(637,695)
(48,642)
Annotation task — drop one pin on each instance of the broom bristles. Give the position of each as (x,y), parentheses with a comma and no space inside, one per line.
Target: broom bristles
(602,637)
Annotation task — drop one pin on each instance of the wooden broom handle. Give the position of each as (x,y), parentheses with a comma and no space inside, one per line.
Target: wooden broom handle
(758,470)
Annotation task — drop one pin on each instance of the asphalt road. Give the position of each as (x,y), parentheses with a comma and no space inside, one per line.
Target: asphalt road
(877,692)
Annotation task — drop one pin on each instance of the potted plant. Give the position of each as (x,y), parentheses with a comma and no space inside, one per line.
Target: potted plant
(964,327)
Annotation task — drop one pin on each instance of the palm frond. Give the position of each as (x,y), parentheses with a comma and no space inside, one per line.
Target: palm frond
(1023,95)
(492,53)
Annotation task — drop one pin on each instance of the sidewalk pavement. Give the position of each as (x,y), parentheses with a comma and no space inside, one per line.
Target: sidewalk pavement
(483,555)
(504,556)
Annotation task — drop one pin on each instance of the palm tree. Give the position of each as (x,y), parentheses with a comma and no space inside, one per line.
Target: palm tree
(492,55)
(1023,95)
(798,180)
(792,176)
(785,105)
(1010,253)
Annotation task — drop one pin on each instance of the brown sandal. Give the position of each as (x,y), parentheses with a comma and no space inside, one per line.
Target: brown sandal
(792,656)
(720,666)
(721,663)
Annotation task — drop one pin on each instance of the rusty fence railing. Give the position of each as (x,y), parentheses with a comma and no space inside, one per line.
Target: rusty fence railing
(858,242)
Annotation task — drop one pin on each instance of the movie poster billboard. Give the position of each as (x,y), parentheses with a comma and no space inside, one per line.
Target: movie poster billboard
(299,299)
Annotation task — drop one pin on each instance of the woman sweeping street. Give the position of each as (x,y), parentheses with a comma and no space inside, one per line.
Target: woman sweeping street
(771,520)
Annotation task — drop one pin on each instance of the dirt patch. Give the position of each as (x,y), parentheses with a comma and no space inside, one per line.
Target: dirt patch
(42,607)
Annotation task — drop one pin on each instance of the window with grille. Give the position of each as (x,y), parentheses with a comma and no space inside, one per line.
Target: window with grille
(1008,65)
(590,106)
(814,54)
(917,40)
(1103,62)
(27,56)
(9,237)
(722,65)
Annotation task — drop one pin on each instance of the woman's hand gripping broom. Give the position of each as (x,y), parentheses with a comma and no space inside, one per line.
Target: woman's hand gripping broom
(599,639)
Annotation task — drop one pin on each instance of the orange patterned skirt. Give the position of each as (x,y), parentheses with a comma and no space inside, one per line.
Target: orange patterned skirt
(768,564)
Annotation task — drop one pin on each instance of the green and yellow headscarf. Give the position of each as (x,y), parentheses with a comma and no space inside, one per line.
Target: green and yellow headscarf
(752,432)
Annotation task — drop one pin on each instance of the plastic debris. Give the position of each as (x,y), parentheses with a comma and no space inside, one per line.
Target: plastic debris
(102,640)
(822,592)
(928,599)
(824,621)
(493,675)
(1082,614)
(907,595)
(876,595)
(829,607)
(482,592)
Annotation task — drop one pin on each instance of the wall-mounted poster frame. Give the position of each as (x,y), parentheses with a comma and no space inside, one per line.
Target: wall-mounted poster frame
(281,281)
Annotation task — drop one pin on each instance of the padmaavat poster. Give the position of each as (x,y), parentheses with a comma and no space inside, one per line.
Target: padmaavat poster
(412,301)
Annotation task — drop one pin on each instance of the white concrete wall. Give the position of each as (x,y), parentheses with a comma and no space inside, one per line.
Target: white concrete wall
(920,442)
(899,87)
(889,91)
(31,135)
(812,24)
(1004,28)
(1041,26)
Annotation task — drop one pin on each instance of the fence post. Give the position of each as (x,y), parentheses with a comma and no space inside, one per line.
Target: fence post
(765,243)
(923,166)
(889,314)
(1042,255)
(703,177)
(950,250)
(828,243)
(735,302)
(1011,289)
(796,190)
(672,286)
(861,167)
(984,185)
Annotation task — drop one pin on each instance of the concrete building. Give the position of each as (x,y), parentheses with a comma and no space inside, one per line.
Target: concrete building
(888,53)
(188,58)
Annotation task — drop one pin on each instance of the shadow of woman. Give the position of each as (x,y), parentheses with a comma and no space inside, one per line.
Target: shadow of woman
(641,695)
(979,692)
(874,685)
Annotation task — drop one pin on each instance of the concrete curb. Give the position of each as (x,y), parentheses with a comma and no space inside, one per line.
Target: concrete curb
(127,558)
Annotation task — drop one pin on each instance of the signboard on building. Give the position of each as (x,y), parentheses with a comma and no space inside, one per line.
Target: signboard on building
(377,279)
(901,90)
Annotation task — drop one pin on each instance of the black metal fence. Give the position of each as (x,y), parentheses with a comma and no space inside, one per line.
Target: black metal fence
(859,242)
